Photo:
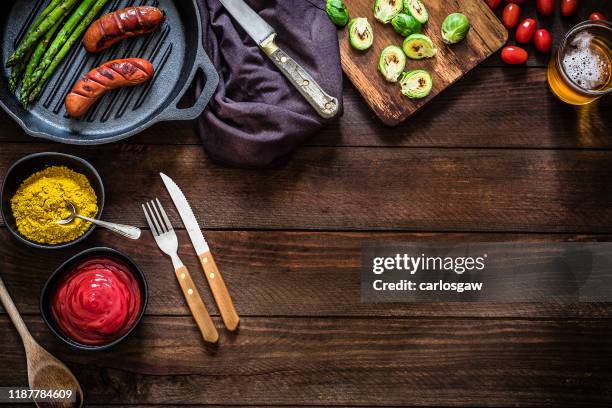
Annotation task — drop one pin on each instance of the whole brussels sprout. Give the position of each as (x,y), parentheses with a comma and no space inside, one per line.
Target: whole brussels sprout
(392,62)
(385,10)
(454,28)
(405,24)
(337,12)
(361,35)
(416,84)
(416,9)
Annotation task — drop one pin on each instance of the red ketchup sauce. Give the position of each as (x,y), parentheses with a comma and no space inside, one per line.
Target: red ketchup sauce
(97,301)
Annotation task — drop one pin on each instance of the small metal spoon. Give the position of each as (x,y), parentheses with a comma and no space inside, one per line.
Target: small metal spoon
(124,230)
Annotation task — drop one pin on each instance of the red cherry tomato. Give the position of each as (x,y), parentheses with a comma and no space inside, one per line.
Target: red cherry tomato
(525,30)
(545,7)
(514,55)
(493,4)
(542,40)
(597,16)
(511,15)
(569,7)
(515,1)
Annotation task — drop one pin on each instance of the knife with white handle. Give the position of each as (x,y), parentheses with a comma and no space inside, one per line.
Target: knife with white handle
(213,276)
(264,35)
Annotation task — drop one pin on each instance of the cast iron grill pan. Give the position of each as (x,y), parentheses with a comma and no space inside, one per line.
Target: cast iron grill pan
(175,50)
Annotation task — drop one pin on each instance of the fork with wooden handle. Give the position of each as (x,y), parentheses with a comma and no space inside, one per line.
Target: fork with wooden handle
(167,241)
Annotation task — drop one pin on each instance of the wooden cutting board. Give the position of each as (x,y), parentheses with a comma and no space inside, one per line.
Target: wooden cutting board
(486,36)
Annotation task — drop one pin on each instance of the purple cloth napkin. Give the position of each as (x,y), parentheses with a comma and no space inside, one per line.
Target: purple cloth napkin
(256,116)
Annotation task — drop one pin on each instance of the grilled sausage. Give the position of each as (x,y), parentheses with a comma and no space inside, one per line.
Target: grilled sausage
(118,25)
(108,76)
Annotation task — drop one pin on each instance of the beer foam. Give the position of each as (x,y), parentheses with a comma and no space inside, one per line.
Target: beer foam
(585,64)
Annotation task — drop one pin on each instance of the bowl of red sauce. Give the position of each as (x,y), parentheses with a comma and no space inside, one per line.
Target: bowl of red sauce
(95,299)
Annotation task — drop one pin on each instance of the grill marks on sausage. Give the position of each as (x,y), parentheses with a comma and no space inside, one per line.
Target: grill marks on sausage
(105,73)
(109,76)
(116,26)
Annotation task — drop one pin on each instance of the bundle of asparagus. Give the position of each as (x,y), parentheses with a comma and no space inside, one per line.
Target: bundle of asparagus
(47,42)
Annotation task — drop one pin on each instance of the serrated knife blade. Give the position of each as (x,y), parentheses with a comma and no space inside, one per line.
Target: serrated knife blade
(186,213)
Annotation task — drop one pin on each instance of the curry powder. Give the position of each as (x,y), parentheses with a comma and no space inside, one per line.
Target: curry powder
(41,201)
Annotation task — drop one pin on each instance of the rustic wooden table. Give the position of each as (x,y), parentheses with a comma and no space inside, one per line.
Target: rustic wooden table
(494,158)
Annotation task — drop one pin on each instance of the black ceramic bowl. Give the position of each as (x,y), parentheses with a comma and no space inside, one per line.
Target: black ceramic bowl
(49,288)
(25,167)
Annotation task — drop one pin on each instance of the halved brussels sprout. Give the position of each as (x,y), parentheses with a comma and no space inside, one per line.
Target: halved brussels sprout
(337,12)
(361,35)
(385,10)
(416,9)
(392,62)
(454,28)
(419,46)
(405,24)
(416,84)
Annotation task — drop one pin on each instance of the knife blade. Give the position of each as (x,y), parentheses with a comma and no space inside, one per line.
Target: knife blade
(189,220)
(256,27)
(213,276)
(264,35)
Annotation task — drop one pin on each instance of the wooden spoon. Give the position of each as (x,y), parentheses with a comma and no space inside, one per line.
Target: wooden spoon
(45,372)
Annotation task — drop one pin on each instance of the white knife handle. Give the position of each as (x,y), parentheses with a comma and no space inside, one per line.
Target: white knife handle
(325,104)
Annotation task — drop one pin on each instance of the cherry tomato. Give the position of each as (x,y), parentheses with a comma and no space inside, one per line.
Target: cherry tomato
(597,16)
(514,55)
(569,7)
(545,7)
(511,15)
(515,1)
(493,4)
(542,40)
(525,30)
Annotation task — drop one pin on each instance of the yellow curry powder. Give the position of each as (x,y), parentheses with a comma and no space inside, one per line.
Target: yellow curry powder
(41,201)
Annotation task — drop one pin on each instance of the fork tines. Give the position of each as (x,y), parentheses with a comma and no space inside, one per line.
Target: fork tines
(157,218)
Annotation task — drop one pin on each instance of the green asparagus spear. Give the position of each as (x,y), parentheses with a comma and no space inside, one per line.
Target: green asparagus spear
(89,18)
(60,40)
(50,20)
(32,63)
(50,7)
(16,74)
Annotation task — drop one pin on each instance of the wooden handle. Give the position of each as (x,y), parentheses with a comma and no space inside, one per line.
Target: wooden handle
(220,292)
(13,313)
(196,305)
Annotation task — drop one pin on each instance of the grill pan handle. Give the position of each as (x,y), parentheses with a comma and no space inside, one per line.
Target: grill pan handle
(172,112)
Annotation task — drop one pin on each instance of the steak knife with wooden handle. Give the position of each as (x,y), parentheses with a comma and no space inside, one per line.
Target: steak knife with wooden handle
(213,276)
(264,35)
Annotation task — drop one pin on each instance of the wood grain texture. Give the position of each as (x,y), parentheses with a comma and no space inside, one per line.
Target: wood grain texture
(488,107)
(486,36)
(280,273)
(219,290)
(196,305)
(499,190)
(324,361)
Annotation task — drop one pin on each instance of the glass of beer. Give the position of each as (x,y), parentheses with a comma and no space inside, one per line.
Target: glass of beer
(581,71)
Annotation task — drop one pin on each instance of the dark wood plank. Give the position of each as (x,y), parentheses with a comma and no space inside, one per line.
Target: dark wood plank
(555,23)
(364,189)
(293,361)
(279,274)
(487,35)
(489,107)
